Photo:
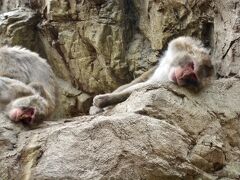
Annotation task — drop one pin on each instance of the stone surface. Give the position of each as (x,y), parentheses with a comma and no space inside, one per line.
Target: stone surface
(160,132)
(17,27)
(227,37)
(71,102)
(8,5)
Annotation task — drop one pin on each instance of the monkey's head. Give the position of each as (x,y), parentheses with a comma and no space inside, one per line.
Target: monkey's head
(24,114)
(191,70)
(29,110)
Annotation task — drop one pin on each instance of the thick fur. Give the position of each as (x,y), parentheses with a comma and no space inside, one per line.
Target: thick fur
(26,80)
(179,52)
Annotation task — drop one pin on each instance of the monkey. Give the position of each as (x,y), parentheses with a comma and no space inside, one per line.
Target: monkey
(28,90)
(186,62)
(11,89)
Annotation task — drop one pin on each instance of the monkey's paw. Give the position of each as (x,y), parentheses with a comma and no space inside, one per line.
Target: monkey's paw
(101,101)
(95,110)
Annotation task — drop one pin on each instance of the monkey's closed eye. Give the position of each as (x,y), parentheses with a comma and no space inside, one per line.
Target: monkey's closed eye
(206,71)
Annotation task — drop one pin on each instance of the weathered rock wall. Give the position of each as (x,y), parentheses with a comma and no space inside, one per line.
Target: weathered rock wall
(161,132)
(227,38)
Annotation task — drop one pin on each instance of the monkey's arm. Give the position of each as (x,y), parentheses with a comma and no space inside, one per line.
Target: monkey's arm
(104,100)
(21,90)
(11,89)
(123,92)
(144,77)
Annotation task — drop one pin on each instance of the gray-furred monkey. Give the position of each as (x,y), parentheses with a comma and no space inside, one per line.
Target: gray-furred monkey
(186,62)
(27,85)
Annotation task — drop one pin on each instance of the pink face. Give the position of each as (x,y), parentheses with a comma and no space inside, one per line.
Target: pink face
(184,75)
(23,114)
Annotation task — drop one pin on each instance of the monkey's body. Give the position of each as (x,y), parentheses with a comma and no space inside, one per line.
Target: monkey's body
(31,83)
(186,63)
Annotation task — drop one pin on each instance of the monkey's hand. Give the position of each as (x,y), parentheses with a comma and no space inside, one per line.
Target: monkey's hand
(23,114)
(101,101)
(95,110)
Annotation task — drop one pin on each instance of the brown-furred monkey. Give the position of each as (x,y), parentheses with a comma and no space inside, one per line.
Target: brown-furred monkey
(186,63)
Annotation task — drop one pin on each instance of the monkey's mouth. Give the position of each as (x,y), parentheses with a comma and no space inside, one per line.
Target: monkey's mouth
(28,115)
(186,75)
(23,114)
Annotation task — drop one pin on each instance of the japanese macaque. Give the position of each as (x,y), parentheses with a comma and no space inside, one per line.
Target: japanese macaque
(186,63)
(27,85)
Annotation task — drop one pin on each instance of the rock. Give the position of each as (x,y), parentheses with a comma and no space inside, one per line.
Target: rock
(71,102)
(227,38)
(8,5)
(160,20)
(160,132)
(17,27)
(87,38)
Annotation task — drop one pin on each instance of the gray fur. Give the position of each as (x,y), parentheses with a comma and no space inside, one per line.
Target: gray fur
(181,52)
(26,79)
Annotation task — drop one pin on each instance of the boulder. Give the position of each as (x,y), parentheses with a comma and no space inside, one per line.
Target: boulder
(160,132)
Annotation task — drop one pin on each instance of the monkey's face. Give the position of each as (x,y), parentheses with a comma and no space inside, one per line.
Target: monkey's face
(29,110)
(26,115)
(189,70)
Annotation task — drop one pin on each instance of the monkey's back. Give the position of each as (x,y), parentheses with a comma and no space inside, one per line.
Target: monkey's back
(28,67)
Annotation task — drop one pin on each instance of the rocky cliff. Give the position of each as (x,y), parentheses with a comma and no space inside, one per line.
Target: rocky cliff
(161,132)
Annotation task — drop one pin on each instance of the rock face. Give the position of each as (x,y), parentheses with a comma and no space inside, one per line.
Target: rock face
(227,37)
(161,132)
(18,28)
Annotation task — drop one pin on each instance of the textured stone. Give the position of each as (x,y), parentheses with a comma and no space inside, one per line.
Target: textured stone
(227,38)
(17,27)
(160,132)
